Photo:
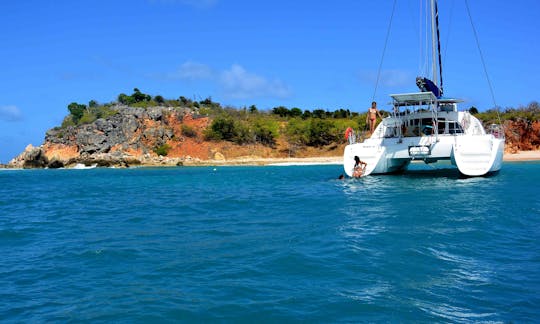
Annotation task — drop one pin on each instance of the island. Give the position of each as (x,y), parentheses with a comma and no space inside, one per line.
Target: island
(144,130)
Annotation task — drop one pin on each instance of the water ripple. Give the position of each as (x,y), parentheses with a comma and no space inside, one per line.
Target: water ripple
(270,244)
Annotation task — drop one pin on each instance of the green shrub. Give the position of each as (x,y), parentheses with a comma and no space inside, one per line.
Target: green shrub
(295,112)
(144,104)
(68,121)
(281,111)
(222,128)
(265,131)
(188,131)
(87,118)
(125,99)
(242,133)
(159,99)
(297,131)
(76,110)
(162,150)
(105,112)
(253,109)
(320,132)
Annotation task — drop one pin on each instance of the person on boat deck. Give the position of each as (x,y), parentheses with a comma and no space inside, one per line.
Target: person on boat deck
(359,167)
(372,116)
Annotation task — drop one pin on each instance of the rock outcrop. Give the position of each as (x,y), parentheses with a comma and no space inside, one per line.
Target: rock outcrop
(522,135)
(32,157)
(128,137)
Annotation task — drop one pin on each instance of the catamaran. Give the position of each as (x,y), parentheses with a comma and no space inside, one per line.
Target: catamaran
(427,126)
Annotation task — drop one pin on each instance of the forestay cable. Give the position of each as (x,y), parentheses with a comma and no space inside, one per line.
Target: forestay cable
(483,62)
(384,50)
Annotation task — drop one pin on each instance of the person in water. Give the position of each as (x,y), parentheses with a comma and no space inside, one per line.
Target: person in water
(371,117)
(359,167)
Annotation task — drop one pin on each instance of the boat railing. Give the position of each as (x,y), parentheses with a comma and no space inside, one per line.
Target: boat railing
(357,136)
(496,130)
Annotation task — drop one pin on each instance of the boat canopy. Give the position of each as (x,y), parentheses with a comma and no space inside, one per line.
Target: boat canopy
(420,98)
(413,99)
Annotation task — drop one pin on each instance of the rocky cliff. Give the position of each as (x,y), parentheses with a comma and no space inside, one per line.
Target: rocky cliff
(128,137)
(522,135)
(132,136)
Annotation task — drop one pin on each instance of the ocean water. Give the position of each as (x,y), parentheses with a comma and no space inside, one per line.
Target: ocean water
(269,244)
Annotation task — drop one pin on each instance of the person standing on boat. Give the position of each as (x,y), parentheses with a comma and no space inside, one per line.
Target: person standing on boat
(371,117)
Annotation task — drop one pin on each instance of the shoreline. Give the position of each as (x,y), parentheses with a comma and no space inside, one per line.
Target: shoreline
(520,156)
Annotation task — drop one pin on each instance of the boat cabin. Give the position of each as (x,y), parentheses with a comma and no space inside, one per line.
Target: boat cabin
(423,114)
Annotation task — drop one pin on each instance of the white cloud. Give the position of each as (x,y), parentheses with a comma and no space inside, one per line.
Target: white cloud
(10,113)
(192,71)
(240,84)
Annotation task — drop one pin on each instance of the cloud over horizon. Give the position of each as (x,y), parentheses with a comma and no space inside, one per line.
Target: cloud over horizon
(193,71)
(10,113)
(235,82)
(238,83)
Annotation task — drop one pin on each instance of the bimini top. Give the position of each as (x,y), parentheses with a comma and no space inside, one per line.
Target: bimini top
(419,98)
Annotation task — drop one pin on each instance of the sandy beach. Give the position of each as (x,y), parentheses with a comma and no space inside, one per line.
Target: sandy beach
(522,156)
(519,156)
(269,161)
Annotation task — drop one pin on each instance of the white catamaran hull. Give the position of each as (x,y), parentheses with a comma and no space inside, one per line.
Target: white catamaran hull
(474,155)
(455,136)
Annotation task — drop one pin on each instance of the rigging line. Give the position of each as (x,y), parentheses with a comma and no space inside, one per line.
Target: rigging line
(384,50)
(447,41)
(420,40)
(483,62)
(419,30)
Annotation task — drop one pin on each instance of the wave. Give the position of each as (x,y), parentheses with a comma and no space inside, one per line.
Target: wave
(80,166)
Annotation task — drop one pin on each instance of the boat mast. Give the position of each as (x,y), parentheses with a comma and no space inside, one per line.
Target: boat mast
(436,46)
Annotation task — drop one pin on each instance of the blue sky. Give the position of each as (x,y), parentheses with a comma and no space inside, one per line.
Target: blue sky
(308,54)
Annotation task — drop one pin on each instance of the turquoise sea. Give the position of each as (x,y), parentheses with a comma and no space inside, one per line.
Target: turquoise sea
(269,244)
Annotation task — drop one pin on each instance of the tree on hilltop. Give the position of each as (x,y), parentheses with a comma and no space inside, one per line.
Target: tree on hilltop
(159,99)
(76,110)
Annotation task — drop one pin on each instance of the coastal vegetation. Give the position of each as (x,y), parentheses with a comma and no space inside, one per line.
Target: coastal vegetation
(530,113)
(251,125)
(162,150)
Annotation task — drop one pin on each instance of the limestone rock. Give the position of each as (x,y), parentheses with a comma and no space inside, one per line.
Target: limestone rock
(127,137)
(55,164)
(219,156)
(32,157)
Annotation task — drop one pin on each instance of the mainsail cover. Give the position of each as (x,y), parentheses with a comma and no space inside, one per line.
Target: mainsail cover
(425,84)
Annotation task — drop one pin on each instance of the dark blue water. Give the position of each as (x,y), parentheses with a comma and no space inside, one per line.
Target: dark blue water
(269,244)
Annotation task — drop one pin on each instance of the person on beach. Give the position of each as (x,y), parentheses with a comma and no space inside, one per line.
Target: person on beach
(371,117)
(359,167)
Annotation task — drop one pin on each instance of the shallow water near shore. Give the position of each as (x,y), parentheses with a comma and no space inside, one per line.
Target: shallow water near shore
(269,244)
